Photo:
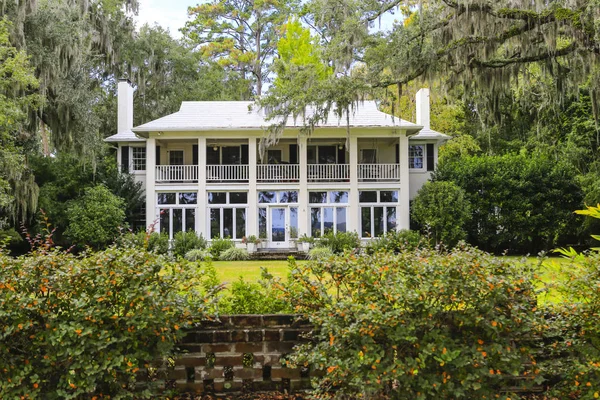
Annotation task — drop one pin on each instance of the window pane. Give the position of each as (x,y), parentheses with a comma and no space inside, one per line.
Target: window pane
(177,220)
(327,219)
(340,214)
(317,197)
(176,157)
(288,197)
(227,222)
(188,198)
(190,219)
(262,223)
(378,220)
(165,217)
(215,222)
(166,198)
(293,223)
(217,197)
(240,223)
(267,197)
(365,219)
(391,218)
(230,155)
(415,156)
(388,196)
(338,197)
(367,197)
(315,222)
(238,198)
(274,156)
(139,158)
(327,154)
(278,224)
(311,155)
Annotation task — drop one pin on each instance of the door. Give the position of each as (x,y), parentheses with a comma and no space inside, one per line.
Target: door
(278,227)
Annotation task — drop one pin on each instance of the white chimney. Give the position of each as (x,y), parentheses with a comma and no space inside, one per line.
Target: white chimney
(125,111)
(423,111)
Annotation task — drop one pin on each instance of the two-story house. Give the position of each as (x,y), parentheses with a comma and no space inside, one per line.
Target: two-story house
(202,171)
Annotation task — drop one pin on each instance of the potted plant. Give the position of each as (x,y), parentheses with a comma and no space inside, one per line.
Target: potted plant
(251,243)
(305,242)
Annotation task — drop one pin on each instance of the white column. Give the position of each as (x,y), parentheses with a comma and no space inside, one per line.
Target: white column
(354,209)
(151,213)
(252,215)
(202,213)
(303,211)
(404,195)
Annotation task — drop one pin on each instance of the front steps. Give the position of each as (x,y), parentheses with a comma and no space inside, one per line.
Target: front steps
(277,254)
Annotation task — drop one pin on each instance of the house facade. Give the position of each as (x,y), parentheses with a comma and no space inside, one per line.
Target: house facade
(201,170)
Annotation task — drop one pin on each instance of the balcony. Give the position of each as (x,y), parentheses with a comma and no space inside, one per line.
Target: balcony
(278,173)
(176,173)
(227,173)
(328,172)
(378,172)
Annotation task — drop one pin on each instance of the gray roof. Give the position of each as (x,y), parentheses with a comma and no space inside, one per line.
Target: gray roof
(236,115)
(125,136)
(426,133)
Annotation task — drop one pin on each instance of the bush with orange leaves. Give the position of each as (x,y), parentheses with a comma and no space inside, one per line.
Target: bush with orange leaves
(418,325)
(84,326)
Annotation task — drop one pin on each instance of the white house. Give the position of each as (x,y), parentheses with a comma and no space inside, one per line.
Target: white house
(201,170)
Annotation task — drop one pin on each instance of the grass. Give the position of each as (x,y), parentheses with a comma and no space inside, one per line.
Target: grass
(229,271)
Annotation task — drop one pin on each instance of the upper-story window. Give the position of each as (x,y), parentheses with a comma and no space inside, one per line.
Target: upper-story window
(138,158)
(416,156)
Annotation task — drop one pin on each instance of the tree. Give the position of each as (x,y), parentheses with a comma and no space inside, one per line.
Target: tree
(241,35)
(96,217)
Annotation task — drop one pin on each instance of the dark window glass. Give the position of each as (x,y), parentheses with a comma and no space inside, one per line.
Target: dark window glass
(165,217)
(311,155)
(176,157)
(338,197)
(212,155)
(340,225)
(231,155)
(293,222)
(177,220)
(190,219)
(215,222)
(274,156)
(315,222)
(267,197)
(227,222)
(188,198)
(365,219)
(238,198)
(317,197)
(367,197)
(217,198)
(166,198)
(288,197)
(388,196)
(391,218)
(262,223)
(327,219)
(240,223)
(327,154)
(378,220)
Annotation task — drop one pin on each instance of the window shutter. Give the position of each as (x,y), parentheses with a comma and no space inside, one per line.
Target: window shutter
(293,154)
(341,155)
(125,158)
(430,157)
(398,153)
(195,154)
(245,157)
(157,155)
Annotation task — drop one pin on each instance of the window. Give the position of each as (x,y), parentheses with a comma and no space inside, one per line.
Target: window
(416,156)
(175,157)
(177,212)
(321,155)
(377,218)
(227,214)
(278,197)
(274,156)
(138,158)
(327,212)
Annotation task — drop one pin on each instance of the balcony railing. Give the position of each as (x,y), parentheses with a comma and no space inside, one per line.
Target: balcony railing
(227,173)
(328,172)
(278,173)
(378,172)
(176,173)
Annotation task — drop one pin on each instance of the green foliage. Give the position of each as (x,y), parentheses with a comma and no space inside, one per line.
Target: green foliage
(183,242)
(320,253)
(219,245)
(251,298)
(234,254)
(442,209)
(84,327)
(396,241)
(95,218)
(340,241)
(197,255)
(416,325)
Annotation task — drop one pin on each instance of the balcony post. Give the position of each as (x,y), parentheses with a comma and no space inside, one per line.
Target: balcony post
(151,213)
(201,213)
(303,212)
(403,210)
(252,214)
(354,209)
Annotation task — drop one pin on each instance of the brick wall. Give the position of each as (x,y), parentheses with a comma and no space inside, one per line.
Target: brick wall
(240,353)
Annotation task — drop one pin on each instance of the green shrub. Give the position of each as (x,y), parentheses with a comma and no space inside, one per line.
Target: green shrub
(416,325)
(395,242)
(197,255)
(154,242)
(320,253)
(341,241)
(251,298)
(186,241)
(234,254)
(218,245)
(83,326)
(442,209)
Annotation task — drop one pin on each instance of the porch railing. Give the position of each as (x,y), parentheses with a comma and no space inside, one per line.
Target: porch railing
(378,172)
(226,173)
(278,172)
(176,173)
(328,172)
